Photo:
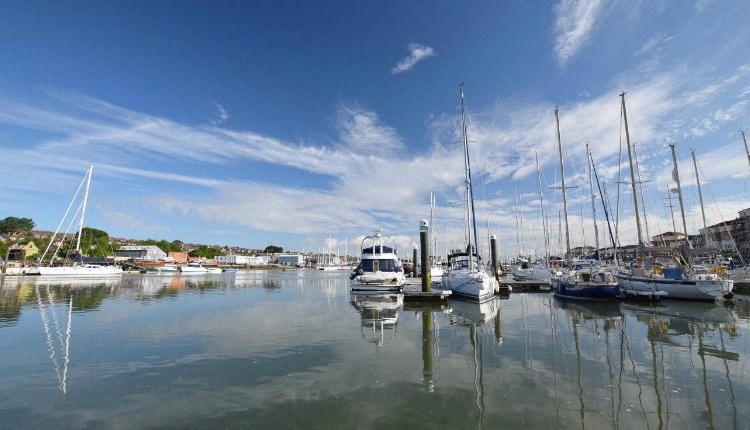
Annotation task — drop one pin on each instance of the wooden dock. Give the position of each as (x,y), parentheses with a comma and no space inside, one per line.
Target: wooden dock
(742,287)
(525,286)
(413,291)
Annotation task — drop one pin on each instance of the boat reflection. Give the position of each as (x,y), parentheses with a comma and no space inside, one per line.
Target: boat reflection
(379,312)
(466,312)
(58,338)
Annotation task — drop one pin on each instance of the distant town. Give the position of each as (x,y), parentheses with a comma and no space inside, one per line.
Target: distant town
(21,244)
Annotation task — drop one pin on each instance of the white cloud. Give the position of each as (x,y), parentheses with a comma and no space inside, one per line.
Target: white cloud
(221,114)
(702,5)
(574,22)
(654,43)
(361,132)
(417,53)
(368,181)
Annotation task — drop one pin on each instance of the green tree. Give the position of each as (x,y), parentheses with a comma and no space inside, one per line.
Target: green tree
(12,224)
(273,249)
(3,250)
(95,242)
(205,252)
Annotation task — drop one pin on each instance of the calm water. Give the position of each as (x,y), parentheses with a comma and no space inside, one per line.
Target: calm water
(298,350)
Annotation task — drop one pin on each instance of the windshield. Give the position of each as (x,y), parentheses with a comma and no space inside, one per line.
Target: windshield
(384,265)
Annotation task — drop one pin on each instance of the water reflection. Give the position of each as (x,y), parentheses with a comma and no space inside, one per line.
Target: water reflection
(58,344)
(379,313)
(292,349)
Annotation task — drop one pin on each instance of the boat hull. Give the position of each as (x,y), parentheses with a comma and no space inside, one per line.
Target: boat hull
(379,281)
(685,289)
(477,286)
(81,271)
(585,291)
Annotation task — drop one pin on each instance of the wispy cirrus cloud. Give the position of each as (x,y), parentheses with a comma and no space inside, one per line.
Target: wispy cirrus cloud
(221,114)
(574,22)
(184,171)
(654,43)
(417,53)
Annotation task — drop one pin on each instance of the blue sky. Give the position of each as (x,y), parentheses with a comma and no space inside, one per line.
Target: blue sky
(256,123)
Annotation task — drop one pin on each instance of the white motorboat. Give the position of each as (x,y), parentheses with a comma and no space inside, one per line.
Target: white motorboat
(379,268)
(193,268)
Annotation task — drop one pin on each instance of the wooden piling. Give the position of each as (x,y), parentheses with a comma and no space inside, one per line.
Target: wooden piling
(493,255)
(414,265)
(424,242)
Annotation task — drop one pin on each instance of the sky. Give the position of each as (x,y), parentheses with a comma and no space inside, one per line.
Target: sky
(308,125)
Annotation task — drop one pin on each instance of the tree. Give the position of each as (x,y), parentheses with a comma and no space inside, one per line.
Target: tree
(95,242)
(12,224)
(205,252)
(273,249)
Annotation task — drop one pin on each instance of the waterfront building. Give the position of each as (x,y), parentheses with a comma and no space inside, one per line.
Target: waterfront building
(242,260)
(141,252)
(297,260)
(178,257)
(22,252)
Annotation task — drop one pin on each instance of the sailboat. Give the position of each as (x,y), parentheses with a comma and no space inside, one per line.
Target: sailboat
(78,269)
(589,283)
(665,271)
(465,278)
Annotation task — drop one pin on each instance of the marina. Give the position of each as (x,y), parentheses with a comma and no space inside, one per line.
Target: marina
(286,349)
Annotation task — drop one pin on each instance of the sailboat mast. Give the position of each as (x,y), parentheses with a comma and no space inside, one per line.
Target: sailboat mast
(541,205)
(676,177)
(700,197)
(83,210)
(632,172)
(745,141)
(593,199)
(565,197)
(469,190)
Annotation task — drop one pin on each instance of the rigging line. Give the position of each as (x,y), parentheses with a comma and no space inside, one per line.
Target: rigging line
(640,188)
(718,208)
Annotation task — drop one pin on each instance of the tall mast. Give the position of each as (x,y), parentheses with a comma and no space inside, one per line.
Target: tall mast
(469,191)
(745,141)
(593,198)
(83,210)
(541,205)
(632,171)
(700,197)
(518,227)
(562,175)
(676,177)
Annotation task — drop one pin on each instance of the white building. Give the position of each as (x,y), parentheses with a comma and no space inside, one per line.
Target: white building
(291,260)
(141,252)
(242,260)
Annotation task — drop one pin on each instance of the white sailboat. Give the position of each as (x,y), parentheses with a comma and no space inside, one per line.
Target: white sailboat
(664,271)
(465,277)
(78,269)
